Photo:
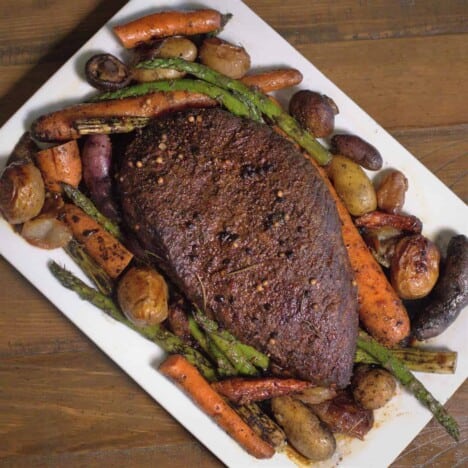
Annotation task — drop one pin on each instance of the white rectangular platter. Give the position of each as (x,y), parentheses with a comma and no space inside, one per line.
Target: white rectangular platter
(440,210)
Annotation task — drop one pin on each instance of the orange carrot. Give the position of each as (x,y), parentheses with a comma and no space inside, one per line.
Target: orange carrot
(103,247)
(60,164)
(381,311)
(58,125)
(273,80)
(187,377)
(242,391)
(168,23)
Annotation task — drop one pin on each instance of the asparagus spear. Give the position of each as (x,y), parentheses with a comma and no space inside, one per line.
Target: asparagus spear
(232,103)
(83,202)
(417,359)
(265,105)
(249,353)
(119,124)
(168,341)
(92,270)
(225,368)
(387,360)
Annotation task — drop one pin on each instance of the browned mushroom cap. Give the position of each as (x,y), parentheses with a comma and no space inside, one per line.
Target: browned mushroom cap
(106,72)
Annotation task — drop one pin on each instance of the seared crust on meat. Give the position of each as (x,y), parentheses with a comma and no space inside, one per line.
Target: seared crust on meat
(246,228)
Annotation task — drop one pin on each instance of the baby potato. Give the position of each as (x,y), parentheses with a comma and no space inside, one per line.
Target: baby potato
(303,429)
(415,267)
(22,192)
(143,296)
(314,111)
(225,58)
(372,387)
(176,46)
(352,185)
(358,150)
(391,192)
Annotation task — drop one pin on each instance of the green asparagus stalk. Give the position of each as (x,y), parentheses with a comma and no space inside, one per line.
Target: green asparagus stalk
(417,359)
(224,367)
(387,360)
(225,98)
(265,105)
(249,353)
(83,202)
(165,339)
(92,270)
(119,124)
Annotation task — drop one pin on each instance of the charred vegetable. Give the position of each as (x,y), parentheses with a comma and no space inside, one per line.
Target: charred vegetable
(24,151)
(107,73)
(358,150)
(143,296)
(391,192)
(450,294)
(379,219)
(171,47)
(228,59)
(303,429)
(314,111)
(343,414)
(372,387)
(352,185)
(22,192)
(382,243)
(60,164)
(415,267)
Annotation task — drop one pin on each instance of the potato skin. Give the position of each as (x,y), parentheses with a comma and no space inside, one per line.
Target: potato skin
(303,429)
(225,58)
(315,112)
(22,192)
(415,267)
(176,46)
(143,295)
(449,296)
(372,387)
(352,185)
(391,192)
(358,150)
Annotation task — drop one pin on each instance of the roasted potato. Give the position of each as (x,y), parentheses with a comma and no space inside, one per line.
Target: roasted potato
(352,185)
(225,58)
(391,192)
(415,267)
(372,387)
(176,46)
(358,150)
(143,295)
(22,192)
(449,296)
(303,429)
(46,232)
(314,111)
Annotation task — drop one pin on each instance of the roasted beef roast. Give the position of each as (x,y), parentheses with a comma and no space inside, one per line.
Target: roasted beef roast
(243,224)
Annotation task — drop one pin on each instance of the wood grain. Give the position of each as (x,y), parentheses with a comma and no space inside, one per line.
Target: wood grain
(63,403)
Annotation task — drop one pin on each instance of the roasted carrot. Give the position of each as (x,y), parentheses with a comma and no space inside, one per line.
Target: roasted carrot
(103,247)
(168,23)
(60,164)
(59,125)
(273,80)
(381,311)
(243,391)
(187,377)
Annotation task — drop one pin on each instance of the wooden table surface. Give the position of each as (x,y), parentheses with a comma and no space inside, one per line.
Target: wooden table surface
(62,402)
